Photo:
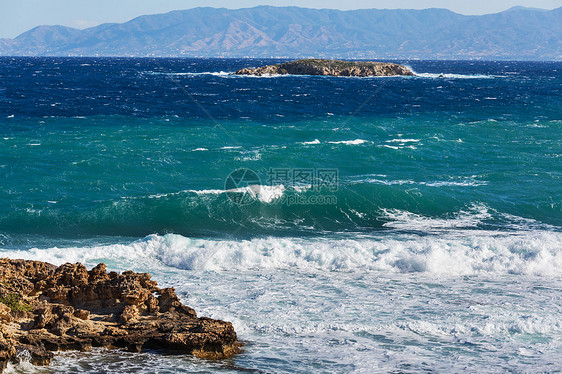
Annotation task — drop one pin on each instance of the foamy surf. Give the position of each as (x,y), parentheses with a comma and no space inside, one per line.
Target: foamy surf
(456,76)
(190,74)
(263,193)
(350,142)
(312,142)
(342,142)
(463,252)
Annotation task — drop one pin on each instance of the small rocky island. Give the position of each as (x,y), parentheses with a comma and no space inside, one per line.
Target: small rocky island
(333,68)
(45,308)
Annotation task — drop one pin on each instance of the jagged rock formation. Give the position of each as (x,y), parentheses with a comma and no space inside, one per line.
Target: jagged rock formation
(44,308)
(331,68)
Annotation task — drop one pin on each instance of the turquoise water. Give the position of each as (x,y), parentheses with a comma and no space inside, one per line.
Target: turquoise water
(77,177)
(435,245)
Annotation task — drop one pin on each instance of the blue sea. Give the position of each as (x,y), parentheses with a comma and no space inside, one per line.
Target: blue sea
(365,225)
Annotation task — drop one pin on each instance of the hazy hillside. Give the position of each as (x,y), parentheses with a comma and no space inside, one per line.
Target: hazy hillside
(519,33)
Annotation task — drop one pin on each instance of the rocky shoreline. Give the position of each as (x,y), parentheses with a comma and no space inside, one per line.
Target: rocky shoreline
(45,308)
(333,68)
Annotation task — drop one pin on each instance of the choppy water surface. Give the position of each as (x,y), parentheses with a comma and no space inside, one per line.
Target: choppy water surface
(436,247)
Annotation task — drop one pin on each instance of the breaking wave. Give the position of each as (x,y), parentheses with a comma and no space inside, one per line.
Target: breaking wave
(463,253)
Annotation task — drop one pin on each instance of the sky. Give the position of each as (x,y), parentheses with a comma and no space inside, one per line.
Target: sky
(18,16)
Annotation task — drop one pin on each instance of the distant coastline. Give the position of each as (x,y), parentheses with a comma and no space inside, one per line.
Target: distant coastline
(292,32)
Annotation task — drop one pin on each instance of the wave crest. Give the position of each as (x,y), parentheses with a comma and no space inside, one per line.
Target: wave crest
(463,253)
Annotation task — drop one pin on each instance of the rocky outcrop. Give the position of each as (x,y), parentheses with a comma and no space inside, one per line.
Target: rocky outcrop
(44,308)
(330,68)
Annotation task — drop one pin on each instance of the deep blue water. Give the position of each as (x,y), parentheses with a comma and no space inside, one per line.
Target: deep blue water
(68,87)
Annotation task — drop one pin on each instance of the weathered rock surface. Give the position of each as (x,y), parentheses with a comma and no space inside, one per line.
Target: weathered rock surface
(330,68)
(44,308)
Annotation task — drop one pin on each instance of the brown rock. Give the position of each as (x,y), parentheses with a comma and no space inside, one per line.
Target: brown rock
(330,68)
(82,314)
(5,314)
(129,313)
(71,308)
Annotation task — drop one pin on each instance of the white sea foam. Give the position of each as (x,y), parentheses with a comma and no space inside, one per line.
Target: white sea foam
(401,143)
(404,220)
(231,147)
(215,73)
(464,253)
(313,142)
(400,140)
(253,155)
(208,192)
(266,194)
(263,193)
(456,76)
(264,76)
(453,182)
(350,142)
(387,182)
(391,146)
(465,183)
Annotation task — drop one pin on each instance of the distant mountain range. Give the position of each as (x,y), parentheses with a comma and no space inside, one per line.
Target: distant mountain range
(264,31)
